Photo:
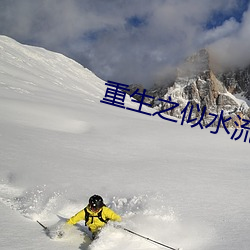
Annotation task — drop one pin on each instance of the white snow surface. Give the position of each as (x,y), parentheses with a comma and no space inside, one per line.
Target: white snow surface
(182,186)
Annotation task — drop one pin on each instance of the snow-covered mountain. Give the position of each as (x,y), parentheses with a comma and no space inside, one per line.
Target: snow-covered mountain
(182,186)
(199,83)
(237,81)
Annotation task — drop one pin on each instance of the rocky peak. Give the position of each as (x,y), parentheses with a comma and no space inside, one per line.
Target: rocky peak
(197,64)
(198,80)
(237,81)
(197,83)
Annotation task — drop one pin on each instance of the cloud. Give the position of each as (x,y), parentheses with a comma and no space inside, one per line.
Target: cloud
(127,41)
(232,50)
(228,28)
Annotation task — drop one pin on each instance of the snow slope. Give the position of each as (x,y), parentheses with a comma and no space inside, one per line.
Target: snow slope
(59,145)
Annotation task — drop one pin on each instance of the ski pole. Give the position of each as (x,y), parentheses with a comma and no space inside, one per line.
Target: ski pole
(146,238)
(45,228)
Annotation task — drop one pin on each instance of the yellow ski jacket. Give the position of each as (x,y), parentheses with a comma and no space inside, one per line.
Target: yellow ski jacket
(94,223)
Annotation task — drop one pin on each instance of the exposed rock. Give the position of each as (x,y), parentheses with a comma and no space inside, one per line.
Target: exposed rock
(198,84)
(237,81)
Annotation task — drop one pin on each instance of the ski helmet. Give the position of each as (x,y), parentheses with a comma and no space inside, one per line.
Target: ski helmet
(95,202)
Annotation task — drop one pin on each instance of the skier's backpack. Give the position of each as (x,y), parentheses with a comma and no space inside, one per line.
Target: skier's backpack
(88,216)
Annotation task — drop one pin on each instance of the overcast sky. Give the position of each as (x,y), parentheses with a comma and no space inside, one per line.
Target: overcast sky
(131,41)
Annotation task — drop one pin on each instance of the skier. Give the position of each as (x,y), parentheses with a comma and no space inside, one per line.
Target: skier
(95,214)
